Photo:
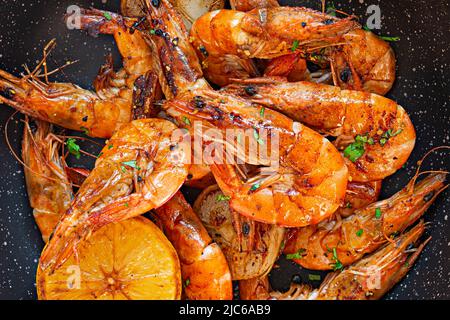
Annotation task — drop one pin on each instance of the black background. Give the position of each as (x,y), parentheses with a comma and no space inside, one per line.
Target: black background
(421,88)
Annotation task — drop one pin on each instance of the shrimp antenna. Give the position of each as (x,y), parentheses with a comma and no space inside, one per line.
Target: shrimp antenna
(19,159)
(33,76)
(420,162)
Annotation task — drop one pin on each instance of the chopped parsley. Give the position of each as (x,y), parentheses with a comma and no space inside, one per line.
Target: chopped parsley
(297,255)
(390,39)
(359,232)
(261,112)
(126,204)
(295,45)
(187,282)
(221,197)
(107,15)
(385,38)
(389,134)
(337,265)
(283,244)
(331,10)
(378,213)
(73,147)
(131,164)
(356,150)
(85,130)
(255,187)
(110,146)
(186,121)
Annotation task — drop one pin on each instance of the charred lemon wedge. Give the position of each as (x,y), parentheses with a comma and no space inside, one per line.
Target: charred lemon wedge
(129,260)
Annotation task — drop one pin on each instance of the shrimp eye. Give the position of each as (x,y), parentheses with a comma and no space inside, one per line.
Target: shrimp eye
(8,93)
(328,22)
(250,90)
(155,3)
(345,74)
(203,50)
(245,229)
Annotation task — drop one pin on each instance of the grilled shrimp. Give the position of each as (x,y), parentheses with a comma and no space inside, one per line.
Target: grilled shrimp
(266,33)
(204,268)
(374,132)
(140,169)
(251,247)
(340,243)
(367,279)
(303,190)
(120,97)
(225,40)
(48,186)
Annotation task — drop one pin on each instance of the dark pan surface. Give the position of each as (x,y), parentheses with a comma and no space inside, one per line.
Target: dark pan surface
(421,87)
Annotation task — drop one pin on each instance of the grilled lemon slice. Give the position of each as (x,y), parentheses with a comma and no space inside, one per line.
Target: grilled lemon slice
(126,260)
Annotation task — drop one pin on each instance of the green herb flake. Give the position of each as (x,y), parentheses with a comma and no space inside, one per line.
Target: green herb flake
(295,45)
(331,9)
(355,150)
(337,265)
(221,197)
(131,164)
(85,130)
(126,205)
(348,205)
(359,232)
(255,187)
(261,112)
(390,39)
(108,16)
(297,255)
(73,147)
(187,282)
(110,147)
(314,277)
(123,169)
(378,213)
(187,121)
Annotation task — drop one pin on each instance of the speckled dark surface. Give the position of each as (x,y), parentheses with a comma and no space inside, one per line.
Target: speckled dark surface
(421,87)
